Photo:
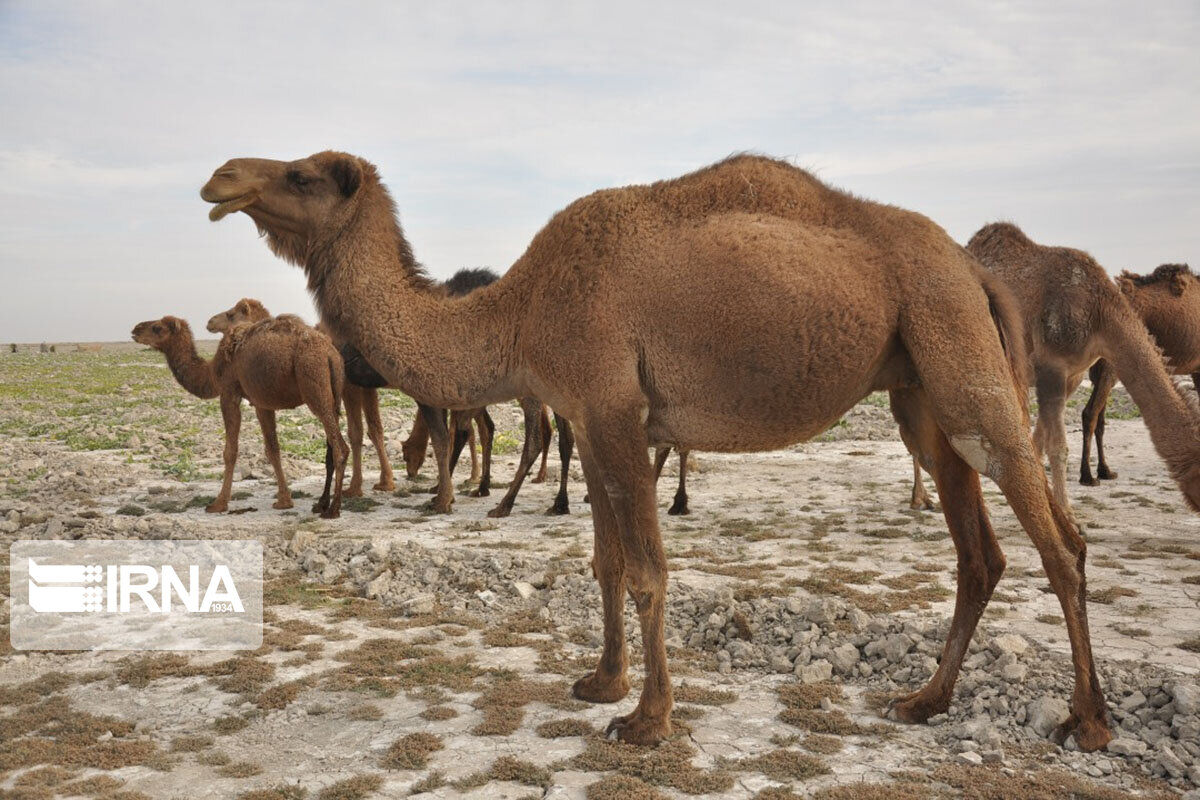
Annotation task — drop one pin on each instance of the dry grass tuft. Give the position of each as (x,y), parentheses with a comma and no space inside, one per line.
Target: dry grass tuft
(191,744)
(368,712)
(230,724)
(241,769)
(412,751)
(669,764)
(623,787)
(825,745)
(352,788)
(686,693)
(567,726)
(989,783)
(503,703)
(507,768)
(808,696)
(1108,596)
(438,713)
(783,765)
(281,792)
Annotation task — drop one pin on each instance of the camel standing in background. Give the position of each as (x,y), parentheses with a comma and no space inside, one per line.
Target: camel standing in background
(275,363)
(1074,315)
(1168,301)
(357,400)
(802,300)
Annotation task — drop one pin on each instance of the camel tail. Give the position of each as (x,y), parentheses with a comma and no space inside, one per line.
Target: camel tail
(1006,316)
(1171,412)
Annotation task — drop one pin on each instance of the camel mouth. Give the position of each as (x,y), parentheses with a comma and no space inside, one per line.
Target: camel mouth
(224,208)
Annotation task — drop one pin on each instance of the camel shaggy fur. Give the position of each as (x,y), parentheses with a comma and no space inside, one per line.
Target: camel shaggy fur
(1168,301)
(801,300)
(1075,315)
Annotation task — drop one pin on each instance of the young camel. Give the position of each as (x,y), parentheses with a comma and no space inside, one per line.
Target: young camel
(1168,301)
(802,298)
(275,364)
(1076,315)
(357,400)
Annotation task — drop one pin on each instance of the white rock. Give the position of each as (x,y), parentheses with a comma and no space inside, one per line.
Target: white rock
(379,585)
(1187,698)
(1014,673)
(1133,702)
(844,657)
(301,541)
(1045,714)
(816,672)
(1009,643)
(524,589)
(970,757)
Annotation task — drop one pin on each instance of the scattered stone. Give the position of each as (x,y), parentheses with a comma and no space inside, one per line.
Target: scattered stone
(1046,714)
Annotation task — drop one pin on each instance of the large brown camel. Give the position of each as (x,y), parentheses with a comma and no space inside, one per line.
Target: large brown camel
(1168,301)
(800,300)
(1075,315)
(275,363)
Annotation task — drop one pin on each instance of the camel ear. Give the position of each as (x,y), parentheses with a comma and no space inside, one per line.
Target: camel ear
(1125,282)
(172,324)
(347,174)
(242,307)
(1178,283)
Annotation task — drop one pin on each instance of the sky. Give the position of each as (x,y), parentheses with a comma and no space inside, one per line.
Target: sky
(1078,121)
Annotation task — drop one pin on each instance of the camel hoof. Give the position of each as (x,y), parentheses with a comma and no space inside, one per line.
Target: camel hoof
(595,689)
(500,511)
(912,709)
(481,492)
(678,510)
(438,508)
(558,509)
(384,486)
(216,508)
(640,729)
(332,513)
(319,507)
(1090,736)
(279,505)
(1088,480)
(921,503)
(538,479)
(353,491)
(1107,475)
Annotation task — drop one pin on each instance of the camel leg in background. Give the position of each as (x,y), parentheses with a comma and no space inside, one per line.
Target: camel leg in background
(546,433)
(533,446)
(1103,378)
(266,420)
(370,407)
(231,413)
(487,436)
(566,443)
(352,398)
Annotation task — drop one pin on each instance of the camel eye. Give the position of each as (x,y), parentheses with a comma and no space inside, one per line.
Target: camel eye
(299,179)
(158,328)
(228,315)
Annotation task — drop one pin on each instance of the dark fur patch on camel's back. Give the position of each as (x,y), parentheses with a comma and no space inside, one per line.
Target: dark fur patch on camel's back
(466,281)
(1165,272)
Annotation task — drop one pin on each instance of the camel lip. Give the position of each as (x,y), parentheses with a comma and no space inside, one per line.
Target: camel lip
(223,208)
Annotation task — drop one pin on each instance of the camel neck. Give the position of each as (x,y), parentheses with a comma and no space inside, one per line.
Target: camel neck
(444,352)
(191,371)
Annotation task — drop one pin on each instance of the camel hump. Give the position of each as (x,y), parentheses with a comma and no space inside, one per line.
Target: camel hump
(466,281)
(1174,273)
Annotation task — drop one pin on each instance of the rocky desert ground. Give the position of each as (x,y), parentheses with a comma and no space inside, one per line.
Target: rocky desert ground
(413,654)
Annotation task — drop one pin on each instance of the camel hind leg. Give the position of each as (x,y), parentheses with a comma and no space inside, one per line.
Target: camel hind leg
(544,423)
(487,437)
(1103,378)
(533,446)
(370,407)
(435,423)
(566,443)
(920,499)
(231,413)
(975,404)
(980,561)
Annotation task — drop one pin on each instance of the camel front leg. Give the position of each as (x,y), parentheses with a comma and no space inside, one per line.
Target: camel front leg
(231,413)
(533,445)
(609,682)
(352,398)
(435,423)
(370,405)
(618,446)
(980,561)
(266,420)
(566,443)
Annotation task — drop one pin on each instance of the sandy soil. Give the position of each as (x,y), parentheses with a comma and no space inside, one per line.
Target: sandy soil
(407,652)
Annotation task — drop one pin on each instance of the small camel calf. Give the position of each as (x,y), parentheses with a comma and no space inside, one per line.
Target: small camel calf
(275,363)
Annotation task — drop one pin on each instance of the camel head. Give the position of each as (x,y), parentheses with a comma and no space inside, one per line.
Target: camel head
(246,310)
(289,201)
(159,333)
(1176,279)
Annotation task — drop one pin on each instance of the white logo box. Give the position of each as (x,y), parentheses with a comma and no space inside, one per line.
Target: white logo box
(198,594)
